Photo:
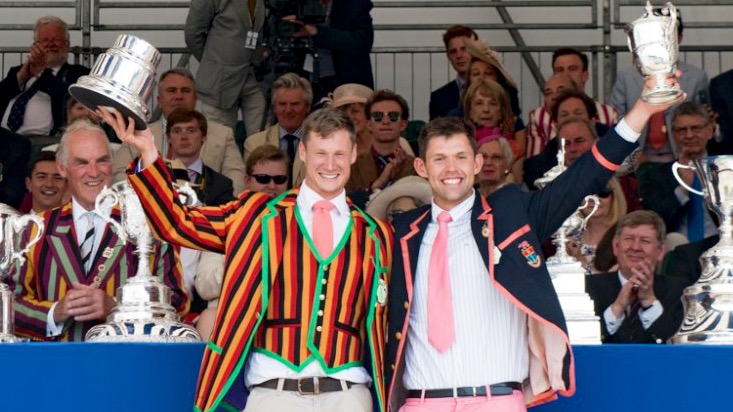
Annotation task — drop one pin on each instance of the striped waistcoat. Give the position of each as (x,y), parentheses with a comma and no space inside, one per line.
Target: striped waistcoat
(268,257)
(54,264)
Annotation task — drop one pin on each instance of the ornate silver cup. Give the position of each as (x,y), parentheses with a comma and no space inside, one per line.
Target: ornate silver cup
(12,226)
(653,41)
(123,78)
(568,275)
(709,302)
(143,312)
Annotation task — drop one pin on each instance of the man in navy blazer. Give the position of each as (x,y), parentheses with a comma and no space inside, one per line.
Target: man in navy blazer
(45,72)
(448,97)
(508,336)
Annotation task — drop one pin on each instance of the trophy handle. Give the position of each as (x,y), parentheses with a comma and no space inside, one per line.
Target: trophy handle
(186,195)
(596,204)
(675,167)
(19,224)
(106,199)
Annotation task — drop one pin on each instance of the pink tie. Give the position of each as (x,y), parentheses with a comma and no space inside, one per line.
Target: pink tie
(441,331)
(323,227)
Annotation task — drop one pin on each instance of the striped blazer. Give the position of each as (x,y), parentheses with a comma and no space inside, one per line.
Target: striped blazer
(255,234)
(510,222)
(54,264)
(542,129)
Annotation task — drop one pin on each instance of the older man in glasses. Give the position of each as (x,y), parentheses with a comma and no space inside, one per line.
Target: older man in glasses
(387,161)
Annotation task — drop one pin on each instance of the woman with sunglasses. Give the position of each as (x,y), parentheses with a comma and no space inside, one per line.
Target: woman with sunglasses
(611,209)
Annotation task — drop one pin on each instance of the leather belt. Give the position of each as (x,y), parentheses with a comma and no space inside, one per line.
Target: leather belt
(308,386)
(497,389)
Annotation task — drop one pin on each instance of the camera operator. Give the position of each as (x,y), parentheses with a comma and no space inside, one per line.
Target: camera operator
(340,44)
(223,36)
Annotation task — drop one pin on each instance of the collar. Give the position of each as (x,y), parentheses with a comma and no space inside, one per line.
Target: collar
(307,197)
(282,132)
(458,211)
(197,166)
(78,211)
(622,279)
(461,82)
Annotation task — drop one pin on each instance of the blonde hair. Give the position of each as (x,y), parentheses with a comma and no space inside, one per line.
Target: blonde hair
(492,90)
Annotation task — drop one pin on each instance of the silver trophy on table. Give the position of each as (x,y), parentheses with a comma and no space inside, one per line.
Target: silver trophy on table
(122,78)
(653,41)
(709,302)
(12,227)
(143,312)
(568,274)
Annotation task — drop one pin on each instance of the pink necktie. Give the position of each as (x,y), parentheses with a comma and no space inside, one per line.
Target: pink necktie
(441,331)
(323,227)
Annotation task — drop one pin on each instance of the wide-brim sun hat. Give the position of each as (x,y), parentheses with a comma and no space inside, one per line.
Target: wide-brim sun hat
(347,94)
(411,186)
(483,51)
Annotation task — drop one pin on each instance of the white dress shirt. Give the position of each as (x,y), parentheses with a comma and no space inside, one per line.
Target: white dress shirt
(260,367)
(491,333)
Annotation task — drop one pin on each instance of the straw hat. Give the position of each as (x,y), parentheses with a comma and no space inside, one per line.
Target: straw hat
(412,186)
(482,51)
(347,94)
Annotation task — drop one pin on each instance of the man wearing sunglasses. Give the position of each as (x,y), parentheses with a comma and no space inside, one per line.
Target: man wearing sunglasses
(302,313)
(386,161)
(267,170)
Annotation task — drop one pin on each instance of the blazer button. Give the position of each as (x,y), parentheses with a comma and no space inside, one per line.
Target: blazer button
(320,313)
(319,328)
(392,366)
(398,335)
(406,304)
(325,268)
(322,297)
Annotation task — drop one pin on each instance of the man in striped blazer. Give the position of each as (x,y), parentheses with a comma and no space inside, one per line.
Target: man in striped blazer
(68,282)
(300,322)
(472,311)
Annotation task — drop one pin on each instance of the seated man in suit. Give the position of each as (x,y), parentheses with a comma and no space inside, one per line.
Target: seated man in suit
(13,161)
(32,95)
(635,305)
(660,191)
(177,89)
(292,96)
(68,282)
(448,97)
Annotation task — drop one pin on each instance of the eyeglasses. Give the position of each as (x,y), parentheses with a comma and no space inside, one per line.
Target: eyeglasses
(605,194)
(266,179)
(57,40)
(393,116)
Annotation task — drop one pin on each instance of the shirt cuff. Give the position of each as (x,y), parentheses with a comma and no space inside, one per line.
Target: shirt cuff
(651,314)
(626,132)
(52,329)
(612,322)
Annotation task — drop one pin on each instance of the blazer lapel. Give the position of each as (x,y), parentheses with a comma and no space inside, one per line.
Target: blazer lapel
(108,253)
(410,248)
(482,226)
(63,246)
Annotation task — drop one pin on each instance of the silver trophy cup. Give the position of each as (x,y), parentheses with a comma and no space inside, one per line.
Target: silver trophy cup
(653,41)
(122,78)
(709,302)
(143,312)
(12,227)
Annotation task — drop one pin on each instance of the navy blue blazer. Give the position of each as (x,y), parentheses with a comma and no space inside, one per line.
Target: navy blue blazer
(55,86)
(514,221)
(721,99)
(444,99)
(14,158)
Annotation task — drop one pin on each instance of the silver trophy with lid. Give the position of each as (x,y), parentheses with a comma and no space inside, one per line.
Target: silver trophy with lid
(144,312)
(709,302)
(122,78)
(568,274)
(12,227)
(653,41)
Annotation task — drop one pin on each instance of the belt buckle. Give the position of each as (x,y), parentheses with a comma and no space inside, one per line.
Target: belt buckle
(316,386)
